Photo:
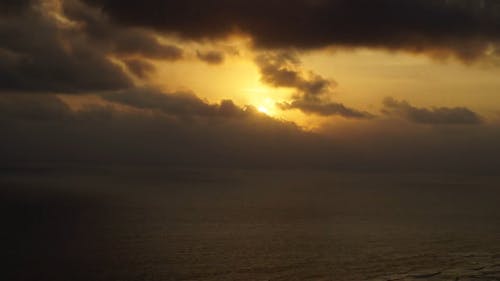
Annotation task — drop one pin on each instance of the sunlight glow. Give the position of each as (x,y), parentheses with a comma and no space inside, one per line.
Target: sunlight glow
(263,109)
(267,106)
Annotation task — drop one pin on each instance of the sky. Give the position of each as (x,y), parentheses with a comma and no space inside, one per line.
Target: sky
(383,85)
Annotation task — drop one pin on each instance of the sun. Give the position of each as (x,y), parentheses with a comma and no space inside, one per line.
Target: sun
(267,106)
(263,109)
(263,98)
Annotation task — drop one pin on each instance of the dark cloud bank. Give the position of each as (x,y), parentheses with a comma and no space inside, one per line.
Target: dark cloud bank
(459,27)
(41,54)
(181,130)
(436,115)
(37,56)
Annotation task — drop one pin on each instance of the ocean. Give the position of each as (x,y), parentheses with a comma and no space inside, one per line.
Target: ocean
(163,223)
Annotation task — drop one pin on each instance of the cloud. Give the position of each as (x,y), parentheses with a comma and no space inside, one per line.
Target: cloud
(436,27)
(39,55)
(314,93)
(10,7)
(116,39)
(72,48)
(33,107)
(211,57)
(324,109)
(176,104)
(140,68)
(97,134)
(433,116)
(283,69)
(137,43)
(43,129)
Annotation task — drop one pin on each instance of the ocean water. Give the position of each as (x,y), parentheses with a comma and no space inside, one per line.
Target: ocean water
(180,224)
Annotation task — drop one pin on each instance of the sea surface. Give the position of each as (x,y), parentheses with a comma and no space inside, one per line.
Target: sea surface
(161,223)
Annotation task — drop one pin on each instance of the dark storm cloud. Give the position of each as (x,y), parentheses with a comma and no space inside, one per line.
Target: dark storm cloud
(33,107)
(433,116)
(70,53)
(211,57)
(137,43)
(11,7)
(313,92)
(121,41)
(36,55)
(139,68)
(44,130)
(176,104)
(225,136)
(465,28)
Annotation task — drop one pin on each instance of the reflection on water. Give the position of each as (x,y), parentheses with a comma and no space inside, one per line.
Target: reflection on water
(167,224)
